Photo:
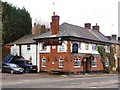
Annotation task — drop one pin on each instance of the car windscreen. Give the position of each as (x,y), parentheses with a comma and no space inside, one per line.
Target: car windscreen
(13,66)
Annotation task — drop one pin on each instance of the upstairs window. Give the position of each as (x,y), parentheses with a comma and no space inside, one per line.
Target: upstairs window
(28,47)
(61,48)
(94,47)
(44,47)
(77,62)
(107,48)
(86,46)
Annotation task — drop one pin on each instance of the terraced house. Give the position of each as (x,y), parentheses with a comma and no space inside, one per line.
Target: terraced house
(65,48)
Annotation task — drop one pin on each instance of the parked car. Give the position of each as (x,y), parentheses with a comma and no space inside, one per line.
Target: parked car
(11,68)
(26,64)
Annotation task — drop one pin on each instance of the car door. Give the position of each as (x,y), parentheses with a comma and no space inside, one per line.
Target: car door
(6,68)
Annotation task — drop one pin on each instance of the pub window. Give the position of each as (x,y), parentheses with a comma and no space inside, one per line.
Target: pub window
(28,47)
(86,46)
(44,47)
(61,62)
(43,62)
(61,48)
(94,62)
(77,62)
(94,47)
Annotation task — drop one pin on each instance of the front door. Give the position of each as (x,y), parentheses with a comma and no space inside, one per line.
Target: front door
(86,66)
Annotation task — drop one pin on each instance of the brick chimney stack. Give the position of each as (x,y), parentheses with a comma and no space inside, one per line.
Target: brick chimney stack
(96,27)
(87,25)
(55,24)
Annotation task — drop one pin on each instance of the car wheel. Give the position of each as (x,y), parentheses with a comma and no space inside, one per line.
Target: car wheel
(27,70)
(11,71)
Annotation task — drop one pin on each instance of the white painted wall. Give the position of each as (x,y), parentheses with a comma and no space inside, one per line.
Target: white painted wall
(63,47)
(82,50)
(14,50)
(27,53)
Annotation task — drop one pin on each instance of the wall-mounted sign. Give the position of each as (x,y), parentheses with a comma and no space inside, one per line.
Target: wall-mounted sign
(75,48)
(53,42)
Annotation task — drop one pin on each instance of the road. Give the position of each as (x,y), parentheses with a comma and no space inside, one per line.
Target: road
(53,81)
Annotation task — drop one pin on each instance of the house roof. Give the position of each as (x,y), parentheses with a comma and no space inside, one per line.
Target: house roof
(77,32)
(27,39)
(67,30)
(115,41)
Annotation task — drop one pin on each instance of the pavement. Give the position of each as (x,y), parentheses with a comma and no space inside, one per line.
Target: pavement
(90,75)
(46,75)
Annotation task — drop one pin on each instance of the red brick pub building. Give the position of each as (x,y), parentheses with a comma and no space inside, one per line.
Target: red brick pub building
(71,48)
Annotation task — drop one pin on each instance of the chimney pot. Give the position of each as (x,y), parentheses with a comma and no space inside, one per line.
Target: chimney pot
(53,13)
(87,25)
(114,37)
(96,27)
(109,37)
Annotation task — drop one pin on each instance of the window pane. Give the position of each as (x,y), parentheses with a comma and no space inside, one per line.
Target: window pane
(77,62)
(94,62)
(60,62)
(28,47)
(43,62)
(86,46)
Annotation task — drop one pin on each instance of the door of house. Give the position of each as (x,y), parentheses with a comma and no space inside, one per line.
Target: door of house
(85,65)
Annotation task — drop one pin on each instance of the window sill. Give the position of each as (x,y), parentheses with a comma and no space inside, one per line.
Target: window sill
(43,66)
(60,66)
(93,66)
(76,66)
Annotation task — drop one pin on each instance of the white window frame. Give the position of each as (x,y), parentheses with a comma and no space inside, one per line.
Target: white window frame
(94,61)
(61,61)
(61,48)
(44,48)
(94,47)
(28,47)
(43,61)
(86,46)
(78,61)
(107,48)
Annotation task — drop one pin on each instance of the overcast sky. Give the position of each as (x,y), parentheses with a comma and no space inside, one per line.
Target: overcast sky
(77,12)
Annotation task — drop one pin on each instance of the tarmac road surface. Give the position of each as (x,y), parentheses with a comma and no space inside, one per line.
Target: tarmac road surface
(54,81)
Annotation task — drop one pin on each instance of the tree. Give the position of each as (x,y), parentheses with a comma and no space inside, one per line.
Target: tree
(16,22)
(111,57)
(102,53)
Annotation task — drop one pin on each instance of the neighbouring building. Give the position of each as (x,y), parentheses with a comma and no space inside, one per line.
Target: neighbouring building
(65,48)
(116,50)
(26,47)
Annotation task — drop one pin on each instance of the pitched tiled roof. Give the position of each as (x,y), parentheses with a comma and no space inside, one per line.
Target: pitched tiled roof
(75,31)
(27,39)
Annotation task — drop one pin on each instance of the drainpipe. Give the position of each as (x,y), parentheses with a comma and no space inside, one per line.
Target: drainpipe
(36,52)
